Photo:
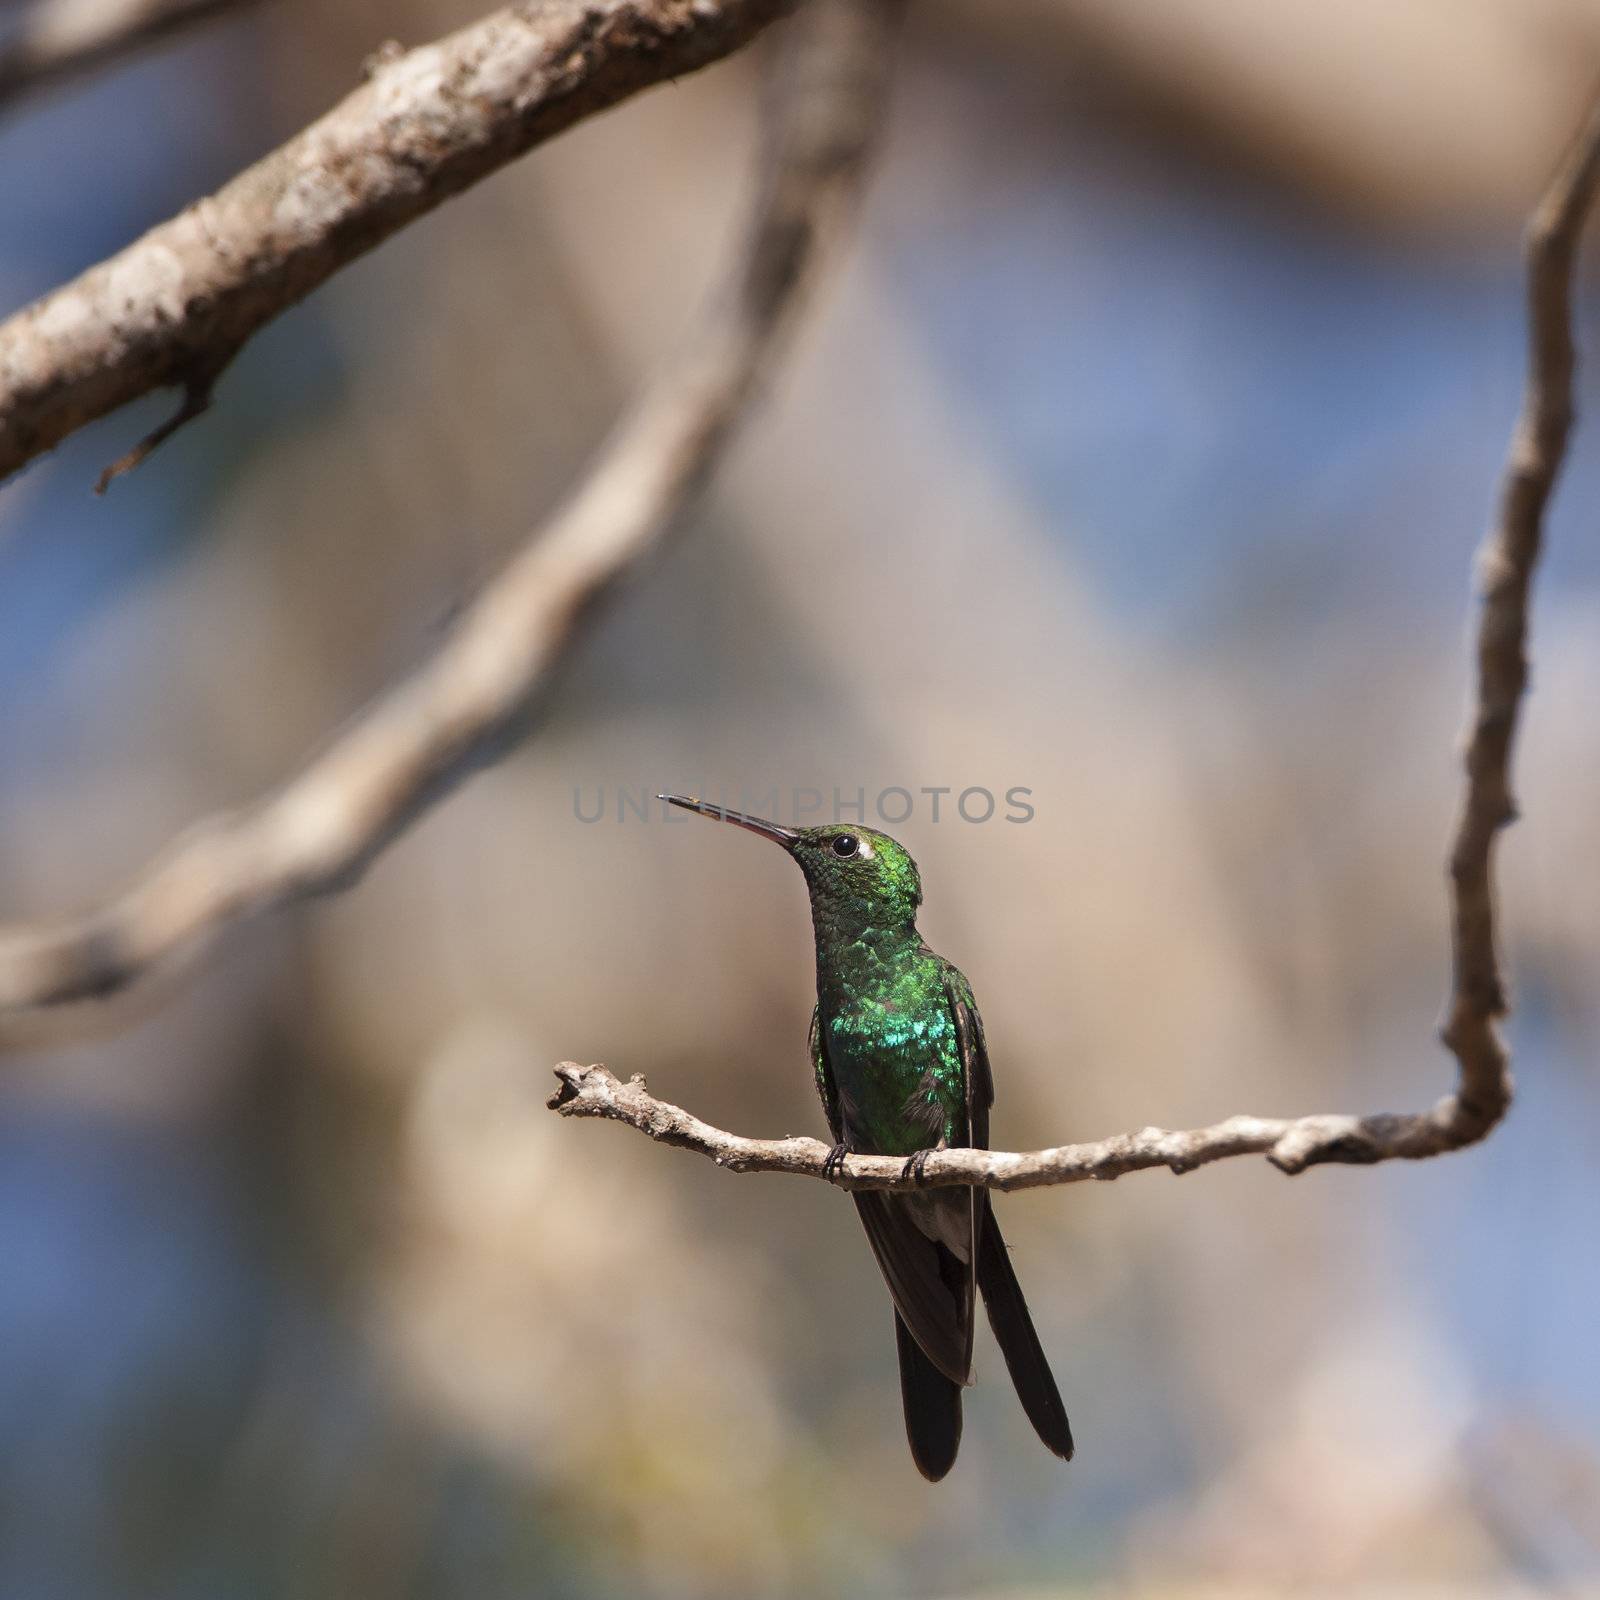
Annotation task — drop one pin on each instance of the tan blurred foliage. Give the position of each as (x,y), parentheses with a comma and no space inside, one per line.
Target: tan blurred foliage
(1422,112)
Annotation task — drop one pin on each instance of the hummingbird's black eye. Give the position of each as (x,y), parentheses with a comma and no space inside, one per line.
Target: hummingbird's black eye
(845,845)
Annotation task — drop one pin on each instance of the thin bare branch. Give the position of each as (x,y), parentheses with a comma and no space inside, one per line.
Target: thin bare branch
(320,831)
(1290,1144)
(1477,999)
(176,306)
(61,39)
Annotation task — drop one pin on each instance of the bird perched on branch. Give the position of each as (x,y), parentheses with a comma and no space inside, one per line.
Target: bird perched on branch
(897,1046)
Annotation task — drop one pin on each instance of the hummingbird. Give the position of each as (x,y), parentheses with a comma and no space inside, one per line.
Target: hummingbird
(902,1070)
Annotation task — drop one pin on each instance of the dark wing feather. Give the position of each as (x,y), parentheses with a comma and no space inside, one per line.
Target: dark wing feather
(929,1286)
(826,1090)
(980,1096)
(974,1058)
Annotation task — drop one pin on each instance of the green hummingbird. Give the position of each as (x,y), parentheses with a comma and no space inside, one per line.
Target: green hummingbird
(898,1051)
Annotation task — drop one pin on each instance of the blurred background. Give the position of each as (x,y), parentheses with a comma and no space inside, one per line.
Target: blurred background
(1135,455)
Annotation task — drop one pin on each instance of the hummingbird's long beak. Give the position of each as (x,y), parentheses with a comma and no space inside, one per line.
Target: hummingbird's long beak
(787,837)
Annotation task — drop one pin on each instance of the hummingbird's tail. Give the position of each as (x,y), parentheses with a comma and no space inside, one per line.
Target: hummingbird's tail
(1019,1344)
(932,1405)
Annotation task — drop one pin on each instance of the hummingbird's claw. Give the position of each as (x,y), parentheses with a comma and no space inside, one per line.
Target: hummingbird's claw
(834,1165)
(916,1167)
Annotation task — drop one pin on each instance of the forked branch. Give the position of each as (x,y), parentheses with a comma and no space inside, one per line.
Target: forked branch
(1478,992)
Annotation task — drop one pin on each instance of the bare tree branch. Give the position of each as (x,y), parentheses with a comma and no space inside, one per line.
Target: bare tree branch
(63,38)
(1477,999)
(320,831)
(1290,1144)
(176,306)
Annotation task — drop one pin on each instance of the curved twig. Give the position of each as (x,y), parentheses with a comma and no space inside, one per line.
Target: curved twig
(176,306)
(1505,573)
(423,737)
(1477,998)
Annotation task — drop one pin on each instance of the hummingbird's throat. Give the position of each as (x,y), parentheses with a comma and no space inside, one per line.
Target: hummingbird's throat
(857,945)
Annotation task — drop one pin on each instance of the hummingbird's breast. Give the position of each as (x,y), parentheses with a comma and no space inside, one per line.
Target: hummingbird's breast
(892,1048)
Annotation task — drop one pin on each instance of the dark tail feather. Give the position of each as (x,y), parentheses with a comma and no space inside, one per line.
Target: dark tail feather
(1019,1344)
(933,1407)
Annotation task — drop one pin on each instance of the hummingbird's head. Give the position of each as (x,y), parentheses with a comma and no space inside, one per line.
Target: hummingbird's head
(858,877)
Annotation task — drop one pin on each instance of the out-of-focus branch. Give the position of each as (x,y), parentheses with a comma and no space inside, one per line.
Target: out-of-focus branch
(1505,573)
(175,307)
(321,830)
(63,38)
(1477,998)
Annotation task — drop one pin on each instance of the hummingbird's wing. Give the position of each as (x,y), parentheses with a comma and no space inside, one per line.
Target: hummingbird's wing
(974,1057)
(826,1091)
(932,1288)
(1002,1294)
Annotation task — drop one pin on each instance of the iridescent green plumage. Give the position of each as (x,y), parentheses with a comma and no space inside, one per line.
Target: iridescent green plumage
(898,1051)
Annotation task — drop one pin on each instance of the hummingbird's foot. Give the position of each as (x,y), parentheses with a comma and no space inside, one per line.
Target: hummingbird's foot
(916,1167)
(834,1165)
